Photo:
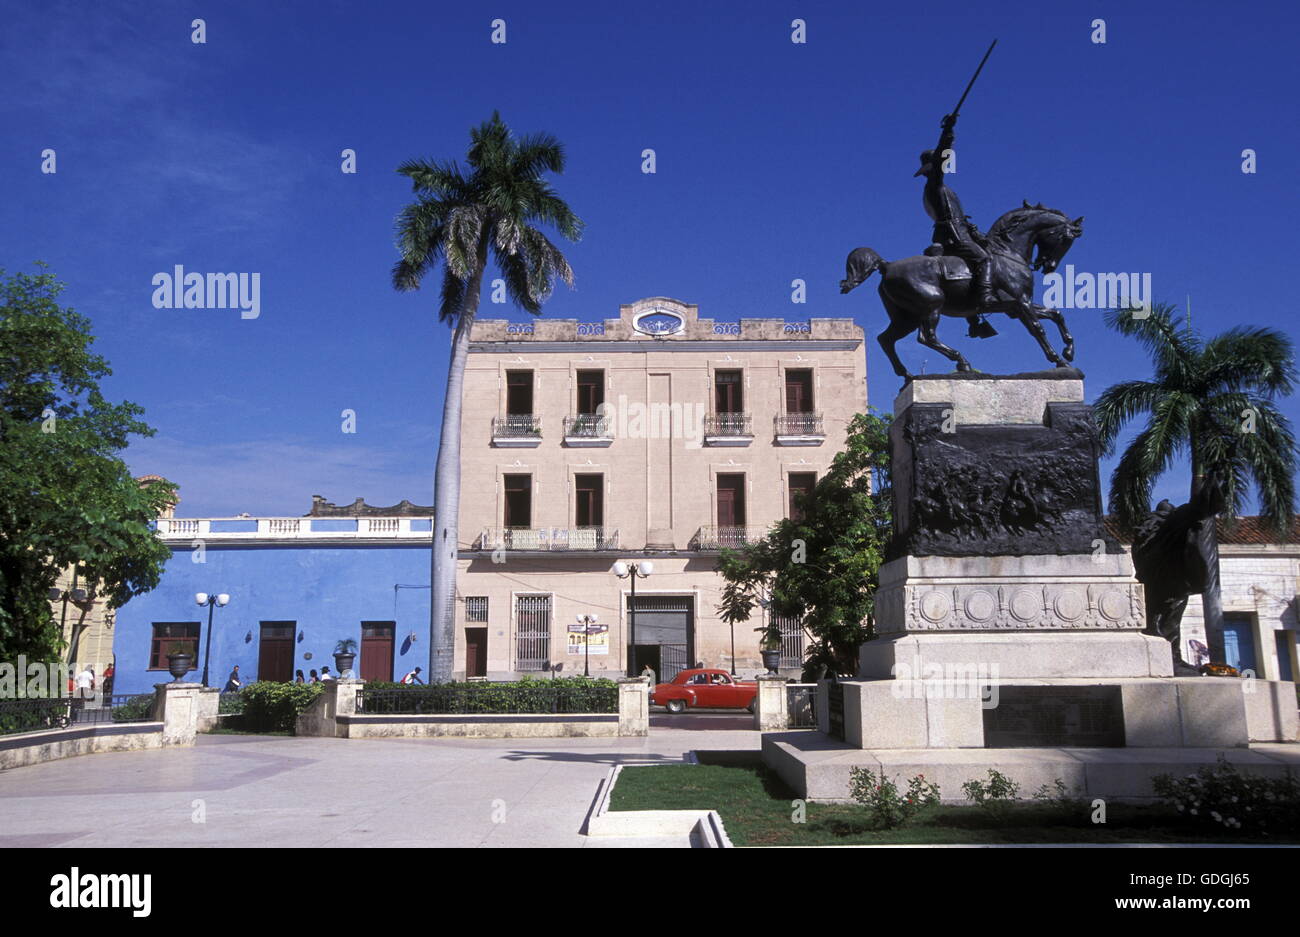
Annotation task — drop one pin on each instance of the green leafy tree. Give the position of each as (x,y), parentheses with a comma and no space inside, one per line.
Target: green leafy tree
(457,220)
(65,496)
(1210,402)
(822,568)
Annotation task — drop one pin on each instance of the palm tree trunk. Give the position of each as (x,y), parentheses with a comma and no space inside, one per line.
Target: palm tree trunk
(446,492)
(1208,544)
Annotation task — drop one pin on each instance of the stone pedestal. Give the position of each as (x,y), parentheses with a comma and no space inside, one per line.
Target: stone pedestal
(770,705)
(634,706)
(176,706)
(1010,621)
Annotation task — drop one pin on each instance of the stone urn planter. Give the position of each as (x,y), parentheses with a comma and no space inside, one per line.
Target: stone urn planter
(179,664)
(345,655)
(771,659)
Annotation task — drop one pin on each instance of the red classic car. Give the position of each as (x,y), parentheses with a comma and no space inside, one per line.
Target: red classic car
(706,689)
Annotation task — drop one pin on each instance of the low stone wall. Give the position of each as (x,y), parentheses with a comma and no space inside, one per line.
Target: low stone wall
(176,717)
(33,748)
(334,715)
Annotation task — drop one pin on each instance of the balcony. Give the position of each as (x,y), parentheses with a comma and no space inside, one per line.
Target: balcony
(549,539)
(588,430)
(799,429)
(517,431)
(728,429)
(712,538)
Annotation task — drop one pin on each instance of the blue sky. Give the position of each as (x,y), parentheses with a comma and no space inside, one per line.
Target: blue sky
(774,160)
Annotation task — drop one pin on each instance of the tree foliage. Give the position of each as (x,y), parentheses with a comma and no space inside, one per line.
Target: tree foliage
(65,495)
(1211,402)
(823,568)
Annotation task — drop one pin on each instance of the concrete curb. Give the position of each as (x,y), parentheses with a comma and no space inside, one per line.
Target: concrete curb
(703,829)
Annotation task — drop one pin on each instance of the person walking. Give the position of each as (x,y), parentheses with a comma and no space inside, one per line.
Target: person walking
(314,678)
(86,683)
(109,672)
(325,674)
(233,684)
(298,677)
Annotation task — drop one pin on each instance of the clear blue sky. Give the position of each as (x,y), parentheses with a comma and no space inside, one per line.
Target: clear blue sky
(774,159)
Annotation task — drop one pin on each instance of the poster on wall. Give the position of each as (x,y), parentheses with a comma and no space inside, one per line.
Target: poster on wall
(594,637)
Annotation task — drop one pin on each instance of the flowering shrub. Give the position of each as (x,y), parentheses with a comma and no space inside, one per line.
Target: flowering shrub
(887,808)
(1220,797)
(994,795)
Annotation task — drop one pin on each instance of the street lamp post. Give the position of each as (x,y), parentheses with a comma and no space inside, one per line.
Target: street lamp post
(587,621)
(211,601)
(623,571)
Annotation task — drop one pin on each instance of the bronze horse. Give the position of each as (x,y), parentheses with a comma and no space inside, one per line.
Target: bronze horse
(916,291)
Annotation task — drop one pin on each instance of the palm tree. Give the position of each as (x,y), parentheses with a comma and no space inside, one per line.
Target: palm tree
(460,218)
(1212,402)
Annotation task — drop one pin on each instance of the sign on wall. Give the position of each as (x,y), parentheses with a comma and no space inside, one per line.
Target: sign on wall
(596,636)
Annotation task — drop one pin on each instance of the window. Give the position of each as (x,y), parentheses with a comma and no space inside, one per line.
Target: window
(799,391)
(728,392)
(519,393)
(518,501)
(589,500)
(801,484)
(533,632)
(171,637)
(476,608)
(591,392)
(731,501)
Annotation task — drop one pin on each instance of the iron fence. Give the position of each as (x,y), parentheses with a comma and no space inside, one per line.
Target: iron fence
(489,698)
(799,424)
(728,424)
(712,537)
(587,426)
(801,705)
(516,426)
(62,712)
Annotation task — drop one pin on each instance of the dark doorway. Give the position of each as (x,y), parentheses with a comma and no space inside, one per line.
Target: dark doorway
(275,651)
(801,483)
(665,634)
(591,392)
(519,501)
(799,391)
(728,392)
(589,501)
(731,500)
(519,393)
(475,652)
(377,650)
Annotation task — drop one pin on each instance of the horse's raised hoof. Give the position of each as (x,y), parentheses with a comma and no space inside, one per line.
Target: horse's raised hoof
(1068,352)
(1064,364)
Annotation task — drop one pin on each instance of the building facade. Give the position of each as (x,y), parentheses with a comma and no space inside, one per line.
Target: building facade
(297,585)
(656,438)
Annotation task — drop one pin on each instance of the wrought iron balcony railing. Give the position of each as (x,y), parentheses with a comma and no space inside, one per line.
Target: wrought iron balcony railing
(517,426)
(549,538)
(799,424)
(713,537)
(587,426)
(728,424)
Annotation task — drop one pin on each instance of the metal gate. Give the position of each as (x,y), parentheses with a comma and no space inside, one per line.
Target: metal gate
(532,632)
(792,649)
(668,623)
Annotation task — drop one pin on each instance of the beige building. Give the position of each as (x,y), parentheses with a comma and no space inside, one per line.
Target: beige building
(655,438)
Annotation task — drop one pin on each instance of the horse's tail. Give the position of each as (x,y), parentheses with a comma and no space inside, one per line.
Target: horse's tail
(862,261)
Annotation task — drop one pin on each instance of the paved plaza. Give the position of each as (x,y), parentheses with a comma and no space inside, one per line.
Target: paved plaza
(248,791)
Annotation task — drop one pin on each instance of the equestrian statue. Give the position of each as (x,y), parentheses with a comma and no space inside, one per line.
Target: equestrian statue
(964,272)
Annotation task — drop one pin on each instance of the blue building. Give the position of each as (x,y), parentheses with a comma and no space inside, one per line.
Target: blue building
(297,585)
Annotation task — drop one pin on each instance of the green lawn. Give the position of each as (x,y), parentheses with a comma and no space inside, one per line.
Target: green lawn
(756,809)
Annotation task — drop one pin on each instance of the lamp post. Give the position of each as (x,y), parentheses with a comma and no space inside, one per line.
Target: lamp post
(623,571)
(211,601)
(586,621)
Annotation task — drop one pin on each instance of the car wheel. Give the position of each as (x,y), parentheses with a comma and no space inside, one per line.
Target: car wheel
(675,706)
(751,707)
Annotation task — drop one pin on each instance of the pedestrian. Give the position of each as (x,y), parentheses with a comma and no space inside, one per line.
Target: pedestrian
(314,678)
(649,672)
(233,684)
(109,671)
(325,674)
(412,677)
(86,683)
(298,677)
